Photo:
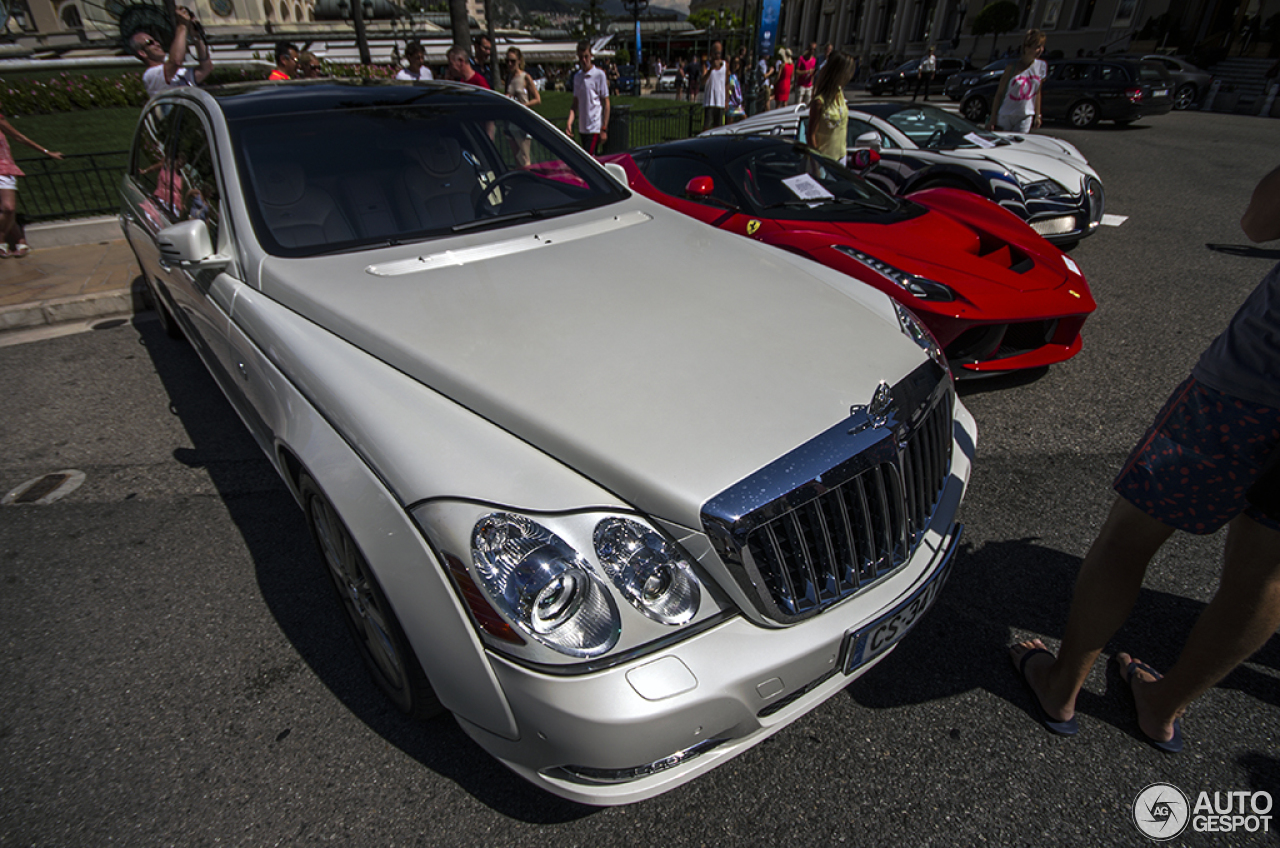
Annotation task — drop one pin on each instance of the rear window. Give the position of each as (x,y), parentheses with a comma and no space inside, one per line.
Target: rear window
(1152,72)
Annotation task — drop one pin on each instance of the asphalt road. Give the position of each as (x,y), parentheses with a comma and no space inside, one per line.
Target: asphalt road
(174,671)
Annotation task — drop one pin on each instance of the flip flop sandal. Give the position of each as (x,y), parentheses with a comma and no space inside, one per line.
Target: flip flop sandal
(1170,746)
(1053,725)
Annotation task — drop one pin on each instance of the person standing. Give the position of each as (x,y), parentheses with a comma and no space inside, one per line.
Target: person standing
(482,64)
(286,61)
(715,81)
(925,72)
(828,125)
(806,68)
(416,56)
(522,89)
(734,108)
(590,103)
(1210,459)
(782,88)
(12,240)
(1016,107)
(460,68)
(166,70)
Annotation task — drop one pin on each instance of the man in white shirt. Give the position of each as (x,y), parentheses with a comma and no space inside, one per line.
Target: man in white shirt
(165,70)
(590,103)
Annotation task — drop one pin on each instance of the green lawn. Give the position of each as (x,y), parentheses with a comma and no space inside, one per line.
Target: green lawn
(87,131)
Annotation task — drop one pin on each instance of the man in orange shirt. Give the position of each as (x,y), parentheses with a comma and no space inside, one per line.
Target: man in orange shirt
(286,61)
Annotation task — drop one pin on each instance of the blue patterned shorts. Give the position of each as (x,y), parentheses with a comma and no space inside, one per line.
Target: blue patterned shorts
(1192,468)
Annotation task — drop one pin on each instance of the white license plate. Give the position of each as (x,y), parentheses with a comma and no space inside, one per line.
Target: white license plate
(873,640)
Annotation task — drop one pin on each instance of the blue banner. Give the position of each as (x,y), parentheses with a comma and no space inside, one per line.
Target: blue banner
(770,12)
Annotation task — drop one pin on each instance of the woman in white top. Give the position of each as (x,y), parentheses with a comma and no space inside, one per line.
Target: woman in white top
(1016,107)
(415,55)
(521,88)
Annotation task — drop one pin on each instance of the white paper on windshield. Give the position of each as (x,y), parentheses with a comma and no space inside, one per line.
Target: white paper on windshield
(981,141)
(806,187)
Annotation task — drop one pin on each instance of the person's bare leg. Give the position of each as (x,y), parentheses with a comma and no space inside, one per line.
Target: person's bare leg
(1239,620)
(1106,589)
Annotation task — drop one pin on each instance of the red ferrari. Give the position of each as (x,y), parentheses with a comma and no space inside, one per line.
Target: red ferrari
(997,296)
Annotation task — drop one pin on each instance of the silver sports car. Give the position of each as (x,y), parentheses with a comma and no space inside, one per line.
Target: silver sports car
(621,492)
(1043,180)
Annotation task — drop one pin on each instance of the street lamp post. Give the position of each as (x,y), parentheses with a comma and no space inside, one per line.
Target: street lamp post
(636,7)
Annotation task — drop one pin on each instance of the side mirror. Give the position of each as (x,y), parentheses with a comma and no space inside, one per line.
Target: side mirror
(618,172)
(700,188)
(868,140)
(188,244)
(863,159)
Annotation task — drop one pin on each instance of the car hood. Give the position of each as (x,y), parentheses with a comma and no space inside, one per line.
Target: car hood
(1030,161)
(664,382)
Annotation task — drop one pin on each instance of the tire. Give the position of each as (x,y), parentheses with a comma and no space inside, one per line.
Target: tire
(1083,114)
(167,321)
(369,616)
(974,109)
(1185,96)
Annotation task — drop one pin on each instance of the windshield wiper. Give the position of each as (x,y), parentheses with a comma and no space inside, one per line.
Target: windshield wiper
(827,201)
(496,219)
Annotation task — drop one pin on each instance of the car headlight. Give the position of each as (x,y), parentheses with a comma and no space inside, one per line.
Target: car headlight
(1044,188)
(543,585)
(919,333)
(584,588)
(921,287)
(648,570)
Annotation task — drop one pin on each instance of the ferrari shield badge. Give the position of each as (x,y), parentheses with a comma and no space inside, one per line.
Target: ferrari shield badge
(752,226)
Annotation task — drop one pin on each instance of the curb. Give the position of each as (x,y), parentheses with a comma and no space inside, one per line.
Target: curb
(68,233)
(120,302)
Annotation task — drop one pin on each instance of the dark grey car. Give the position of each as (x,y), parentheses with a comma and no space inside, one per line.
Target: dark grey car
(1189,82)
(1082,92)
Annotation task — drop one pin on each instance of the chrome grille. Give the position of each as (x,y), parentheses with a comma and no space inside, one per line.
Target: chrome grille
(827,549)
(842,528)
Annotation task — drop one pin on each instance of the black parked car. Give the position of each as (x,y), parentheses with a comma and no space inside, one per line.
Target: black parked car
(1085,91)
(1189,82)
(627,82)
(958,84)
(902,79)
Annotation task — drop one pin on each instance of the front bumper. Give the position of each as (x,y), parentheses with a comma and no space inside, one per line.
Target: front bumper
(634,731)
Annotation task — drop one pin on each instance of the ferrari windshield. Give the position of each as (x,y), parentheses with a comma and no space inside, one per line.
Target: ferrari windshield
(793,181)
(349,178)
(934,129)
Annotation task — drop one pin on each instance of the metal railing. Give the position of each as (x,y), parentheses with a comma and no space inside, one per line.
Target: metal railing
(80,185)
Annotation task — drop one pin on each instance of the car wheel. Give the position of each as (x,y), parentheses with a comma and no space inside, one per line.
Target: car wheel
(167,321)
(1083,114)
(1185,96)
(974,109)
(372,623)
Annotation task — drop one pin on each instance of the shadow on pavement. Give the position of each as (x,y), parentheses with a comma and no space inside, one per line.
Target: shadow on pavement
(297,590)
(1003,589)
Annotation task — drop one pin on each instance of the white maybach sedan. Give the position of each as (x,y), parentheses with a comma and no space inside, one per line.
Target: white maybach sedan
(621,492)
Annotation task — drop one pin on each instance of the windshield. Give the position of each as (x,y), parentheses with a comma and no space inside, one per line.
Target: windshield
(343,179)
(793,181)
(934,129)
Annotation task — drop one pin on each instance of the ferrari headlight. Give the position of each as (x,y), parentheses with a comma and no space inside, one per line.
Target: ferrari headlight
(648,570)
(1043,188)
(543,585)
(921,287)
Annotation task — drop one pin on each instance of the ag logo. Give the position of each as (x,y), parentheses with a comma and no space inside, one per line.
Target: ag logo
(1161,811)
(752,226)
